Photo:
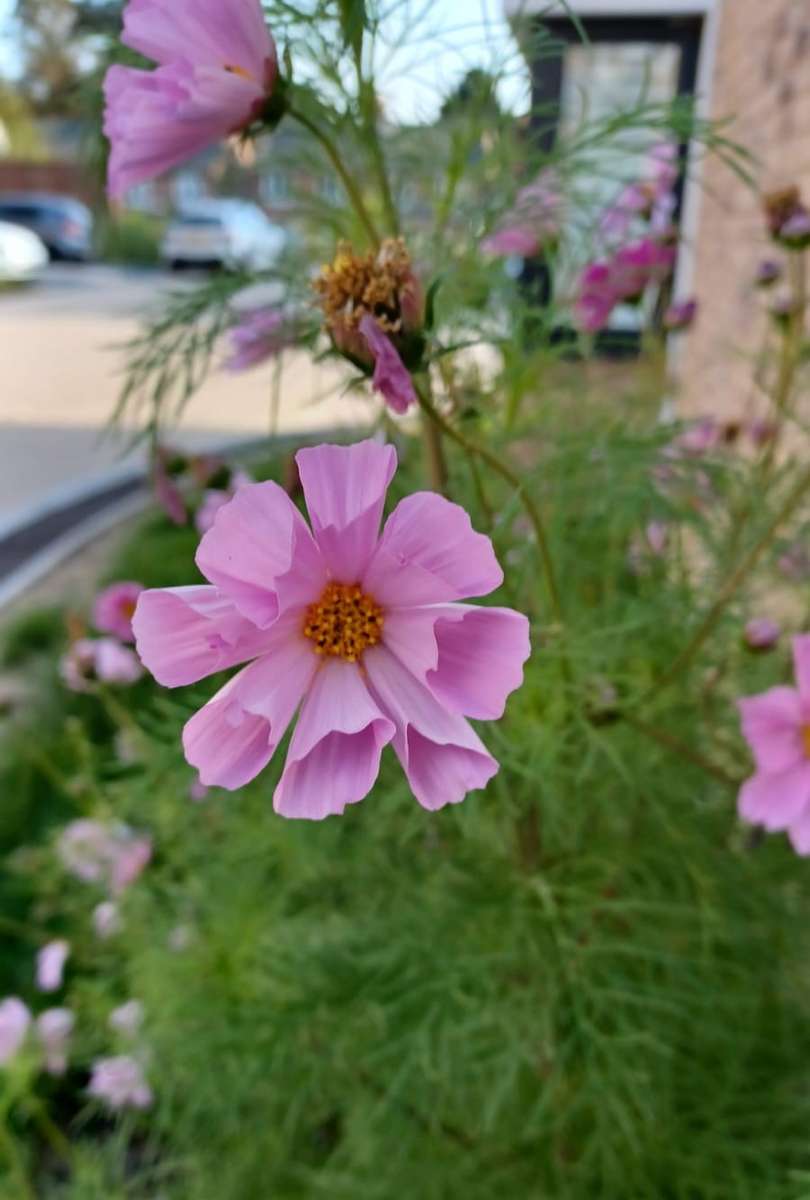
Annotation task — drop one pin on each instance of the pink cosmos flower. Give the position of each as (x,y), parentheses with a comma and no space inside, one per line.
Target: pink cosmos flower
(640,263)
(97,853)
(776,725)
(634,201)
(54,1027)
(168,494)
(511,240)
(762,634)
(114,608)
(217,70)
(596,297)
(106,920)
(127,1018)
(93,660)
(362,632)
(698,439)
(663,166)
(533,222)
(198,792)
(51,964)
(119,1082)
(14,1021)
(391,378)
(257,335)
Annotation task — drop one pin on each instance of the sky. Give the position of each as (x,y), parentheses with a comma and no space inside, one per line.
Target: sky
(457,35)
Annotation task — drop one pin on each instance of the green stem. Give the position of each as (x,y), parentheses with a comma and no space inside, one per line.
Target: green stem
(730,587)
(434,451)
(351,187)
(675,746)
(506,473)
(16,1164)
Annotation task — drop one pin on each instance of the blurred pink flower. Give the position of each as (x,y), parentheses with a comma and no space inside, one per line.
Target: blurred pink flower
(680,315)
(127,1018)
(768,272)
(762,431)
(651,544)
(51,961)
(198,792)
(257,336)
(168,494)
(776,725)
(697,439)
(120,1083)
(634,201)
(217,71)
(133,854)
(638,264)
(596,297)
(359,631)
(106,919)
(114,608)
(54,1027)
(391,378)
(762,634)
(98,853)
(663,167)
(14,1021)
(99,660)
(794,563)
(533,222)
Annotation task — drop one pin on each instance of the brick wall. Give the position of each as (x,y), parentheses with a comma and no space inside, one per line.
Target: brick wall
(67,179)
(762,79)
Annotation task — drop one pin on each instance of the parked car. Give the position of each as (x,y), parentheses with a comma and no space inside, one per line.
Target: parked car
(22,254)
(222,233)
(63,223)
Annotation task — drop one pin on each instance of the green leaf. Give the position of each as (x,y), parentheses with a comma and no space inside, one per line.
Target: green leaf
(353,22)
(430,302)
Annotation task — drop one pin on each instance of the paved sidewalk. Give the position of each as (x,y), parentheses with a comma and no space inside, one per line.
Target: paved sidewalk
(60,379)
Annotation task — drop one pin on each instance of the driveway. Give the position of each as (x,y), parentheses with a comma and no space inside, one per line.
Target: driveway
(60,376)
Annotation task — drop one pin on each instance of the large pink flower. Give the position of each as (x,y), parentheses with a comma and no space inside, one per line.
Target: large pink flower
(776,725)
(217,69)
(361,632)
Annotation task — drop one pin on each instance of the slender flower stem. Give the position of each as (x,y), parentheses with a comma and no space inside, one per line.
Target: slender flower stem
(731,586)
(434,451)
(673,744)
(506,473)
(351,187)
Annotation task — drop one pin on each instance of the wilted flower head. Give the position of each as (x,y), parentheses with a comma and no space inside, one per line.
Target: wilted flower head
(784,306)
(761,633)
(106,919)
(776,725)
(381,285)
(120,1083)
(768,272)
(680,315)
(14,1021)
(51,961)
(257,336)
(779,206)
(114,607)
(127,1018)
(54,1027)
(98,660)
(361,632)
(217,74)
(795,233)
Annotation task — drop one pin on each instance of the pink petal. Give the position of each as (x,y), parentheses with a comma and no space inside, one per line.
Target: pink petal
(441,754)
(512,240)
(334,755)
(772,724)
(261,554)
(801,664)
(430,553)
(234,736)
(470,658)
(391,377)
(345,488)
(216,32)
(799,833)
(183,634)
(776,800)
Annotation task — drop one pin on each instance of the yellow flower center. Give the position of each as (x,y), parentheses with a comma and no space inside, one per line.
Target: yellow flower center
(240,71)
(806,739)
(356,285)
(344,622)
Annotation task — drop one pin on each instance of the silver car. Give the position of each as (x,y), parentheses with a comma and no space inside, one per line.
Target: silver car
(223,233)
(63,223)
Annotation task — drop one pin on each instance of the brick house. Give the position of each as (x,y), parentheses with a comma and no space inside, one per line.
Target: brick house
(746,61)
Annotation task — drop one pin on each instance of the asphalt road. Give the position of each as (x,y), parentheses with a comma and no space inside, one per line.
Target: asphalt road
(60,378)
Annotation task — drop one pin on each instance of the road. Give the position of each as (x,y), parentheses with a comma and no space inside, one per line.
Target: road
(60,376)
